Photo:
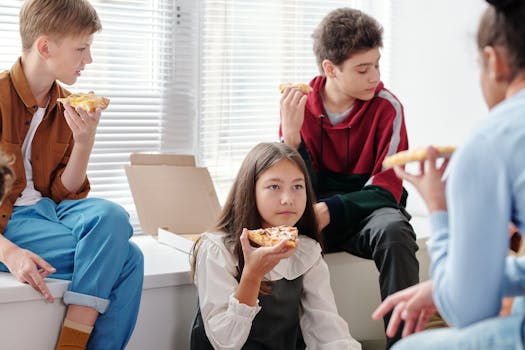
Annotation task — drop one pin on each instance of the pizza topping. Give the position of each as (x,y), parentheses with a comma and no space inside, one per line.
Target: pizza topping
(415,154)
(88,102)
(268,237)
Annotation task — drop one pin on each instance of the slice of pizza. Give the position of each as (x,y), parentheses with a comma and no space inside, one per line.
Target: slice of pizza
(305,88)
(415,155)
(268,237)
(88,102)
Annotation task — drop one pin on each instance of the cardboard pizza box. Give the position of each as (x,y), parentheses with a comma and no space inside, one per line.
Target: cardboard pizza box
(175,200)
(162,159)
(182,242)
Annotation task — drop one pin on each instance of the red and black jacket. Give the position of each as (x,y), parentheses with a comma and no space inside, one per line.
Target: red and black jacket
(345,160)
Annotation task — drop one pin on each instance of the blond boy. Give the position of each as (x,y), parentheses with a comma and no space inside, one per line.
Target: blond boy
(47,226)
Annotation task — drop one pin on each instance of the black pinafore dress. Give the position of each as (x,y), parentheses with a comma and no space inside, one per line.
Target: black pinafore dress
(276,325)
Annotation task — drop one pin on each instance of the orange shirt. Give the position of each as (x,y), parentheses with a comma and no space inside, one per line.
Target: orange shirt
(51,147)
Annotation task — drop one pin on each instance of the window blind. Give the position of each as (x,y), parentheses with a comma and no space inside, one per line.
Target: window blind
(247,49)
(132,65)
(192,77)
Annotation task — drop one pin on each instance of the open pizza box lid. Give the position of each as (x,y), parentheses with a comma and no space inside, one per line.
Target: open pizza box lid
(175,199)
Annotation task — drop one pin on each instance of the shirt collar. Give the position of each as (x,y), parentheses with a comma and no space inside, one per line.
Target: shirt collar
(308,252)
(24,91)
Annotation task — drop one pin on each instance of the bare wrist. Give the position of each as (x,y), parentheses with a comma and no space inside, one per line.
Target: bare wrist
(437,204)
(6,247)
(86,146)
(292,140)
(436,207)
(251,277)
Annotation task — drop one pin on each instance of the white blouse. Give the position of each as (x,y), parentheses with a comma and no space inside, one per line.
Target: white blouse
(227,322)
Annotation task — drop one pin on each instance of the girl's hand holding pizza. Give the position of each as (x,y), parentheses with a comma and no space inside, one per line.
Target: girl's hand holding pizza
(261,260)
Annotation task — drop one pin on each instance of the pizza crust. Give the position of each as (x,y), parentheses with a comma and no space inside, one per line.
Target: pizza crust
(415,154)
(305,88)
(271,236)
(88,102)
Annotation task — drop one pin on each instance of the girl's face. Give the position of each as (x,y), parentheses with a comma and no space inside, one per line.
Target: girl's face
(280,194)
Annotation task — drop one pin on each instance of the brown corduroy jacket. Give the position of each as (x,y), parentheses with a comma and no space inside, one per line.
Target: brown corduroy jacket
(52,143)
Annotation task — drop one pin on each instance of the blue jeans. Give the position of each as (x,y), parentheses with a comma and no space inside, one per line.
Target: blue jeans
(497,333)
(87,241)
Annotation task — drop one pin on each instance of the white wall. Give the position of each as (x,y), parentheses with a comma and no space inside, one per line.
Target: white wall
(434,71)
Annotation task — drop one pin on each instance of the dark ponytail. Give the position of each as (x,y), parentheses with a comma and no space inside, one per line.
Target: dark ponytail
(502,5)
(503,25)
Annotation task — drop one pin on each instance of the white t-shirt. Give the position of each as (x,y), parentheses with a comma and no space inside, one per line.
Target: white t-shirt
(30,196)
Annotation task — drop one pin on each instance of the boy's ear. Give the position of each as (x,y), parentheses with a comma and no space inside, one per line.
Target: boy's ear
(497,64)
(42,46)
(328,68)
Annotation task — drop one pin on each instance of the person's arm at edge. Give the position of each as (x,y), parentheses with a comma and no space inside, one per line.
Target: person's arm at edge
(454,256)
(83,125)
(59,191)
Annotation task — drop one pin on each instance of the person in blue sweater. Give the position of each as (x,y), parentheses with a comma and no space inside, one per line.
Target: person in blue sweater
(471,211)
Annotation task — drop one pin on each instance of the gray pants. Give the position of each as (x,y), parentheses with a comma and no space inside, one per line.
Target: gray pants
(386,237)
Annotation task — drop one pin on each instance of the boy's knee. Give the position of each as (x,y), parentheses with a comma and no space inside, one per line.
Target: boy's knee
(111,210)
(397,234)
(107,222)
(109,213)
(134,266)
(136,257)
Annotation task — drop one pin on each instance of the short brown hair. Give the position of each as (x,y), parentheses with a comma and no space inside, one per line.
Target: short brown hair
(344,32)
(57,18)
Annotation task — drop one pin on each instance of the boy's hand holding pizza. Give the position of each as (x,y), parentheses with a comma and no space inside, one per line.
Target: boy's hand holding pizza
(82,113)
(293,100)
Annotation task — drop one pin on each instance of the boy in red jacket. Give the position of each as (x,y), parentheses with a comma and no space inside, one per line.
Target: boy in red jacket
(344,129)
